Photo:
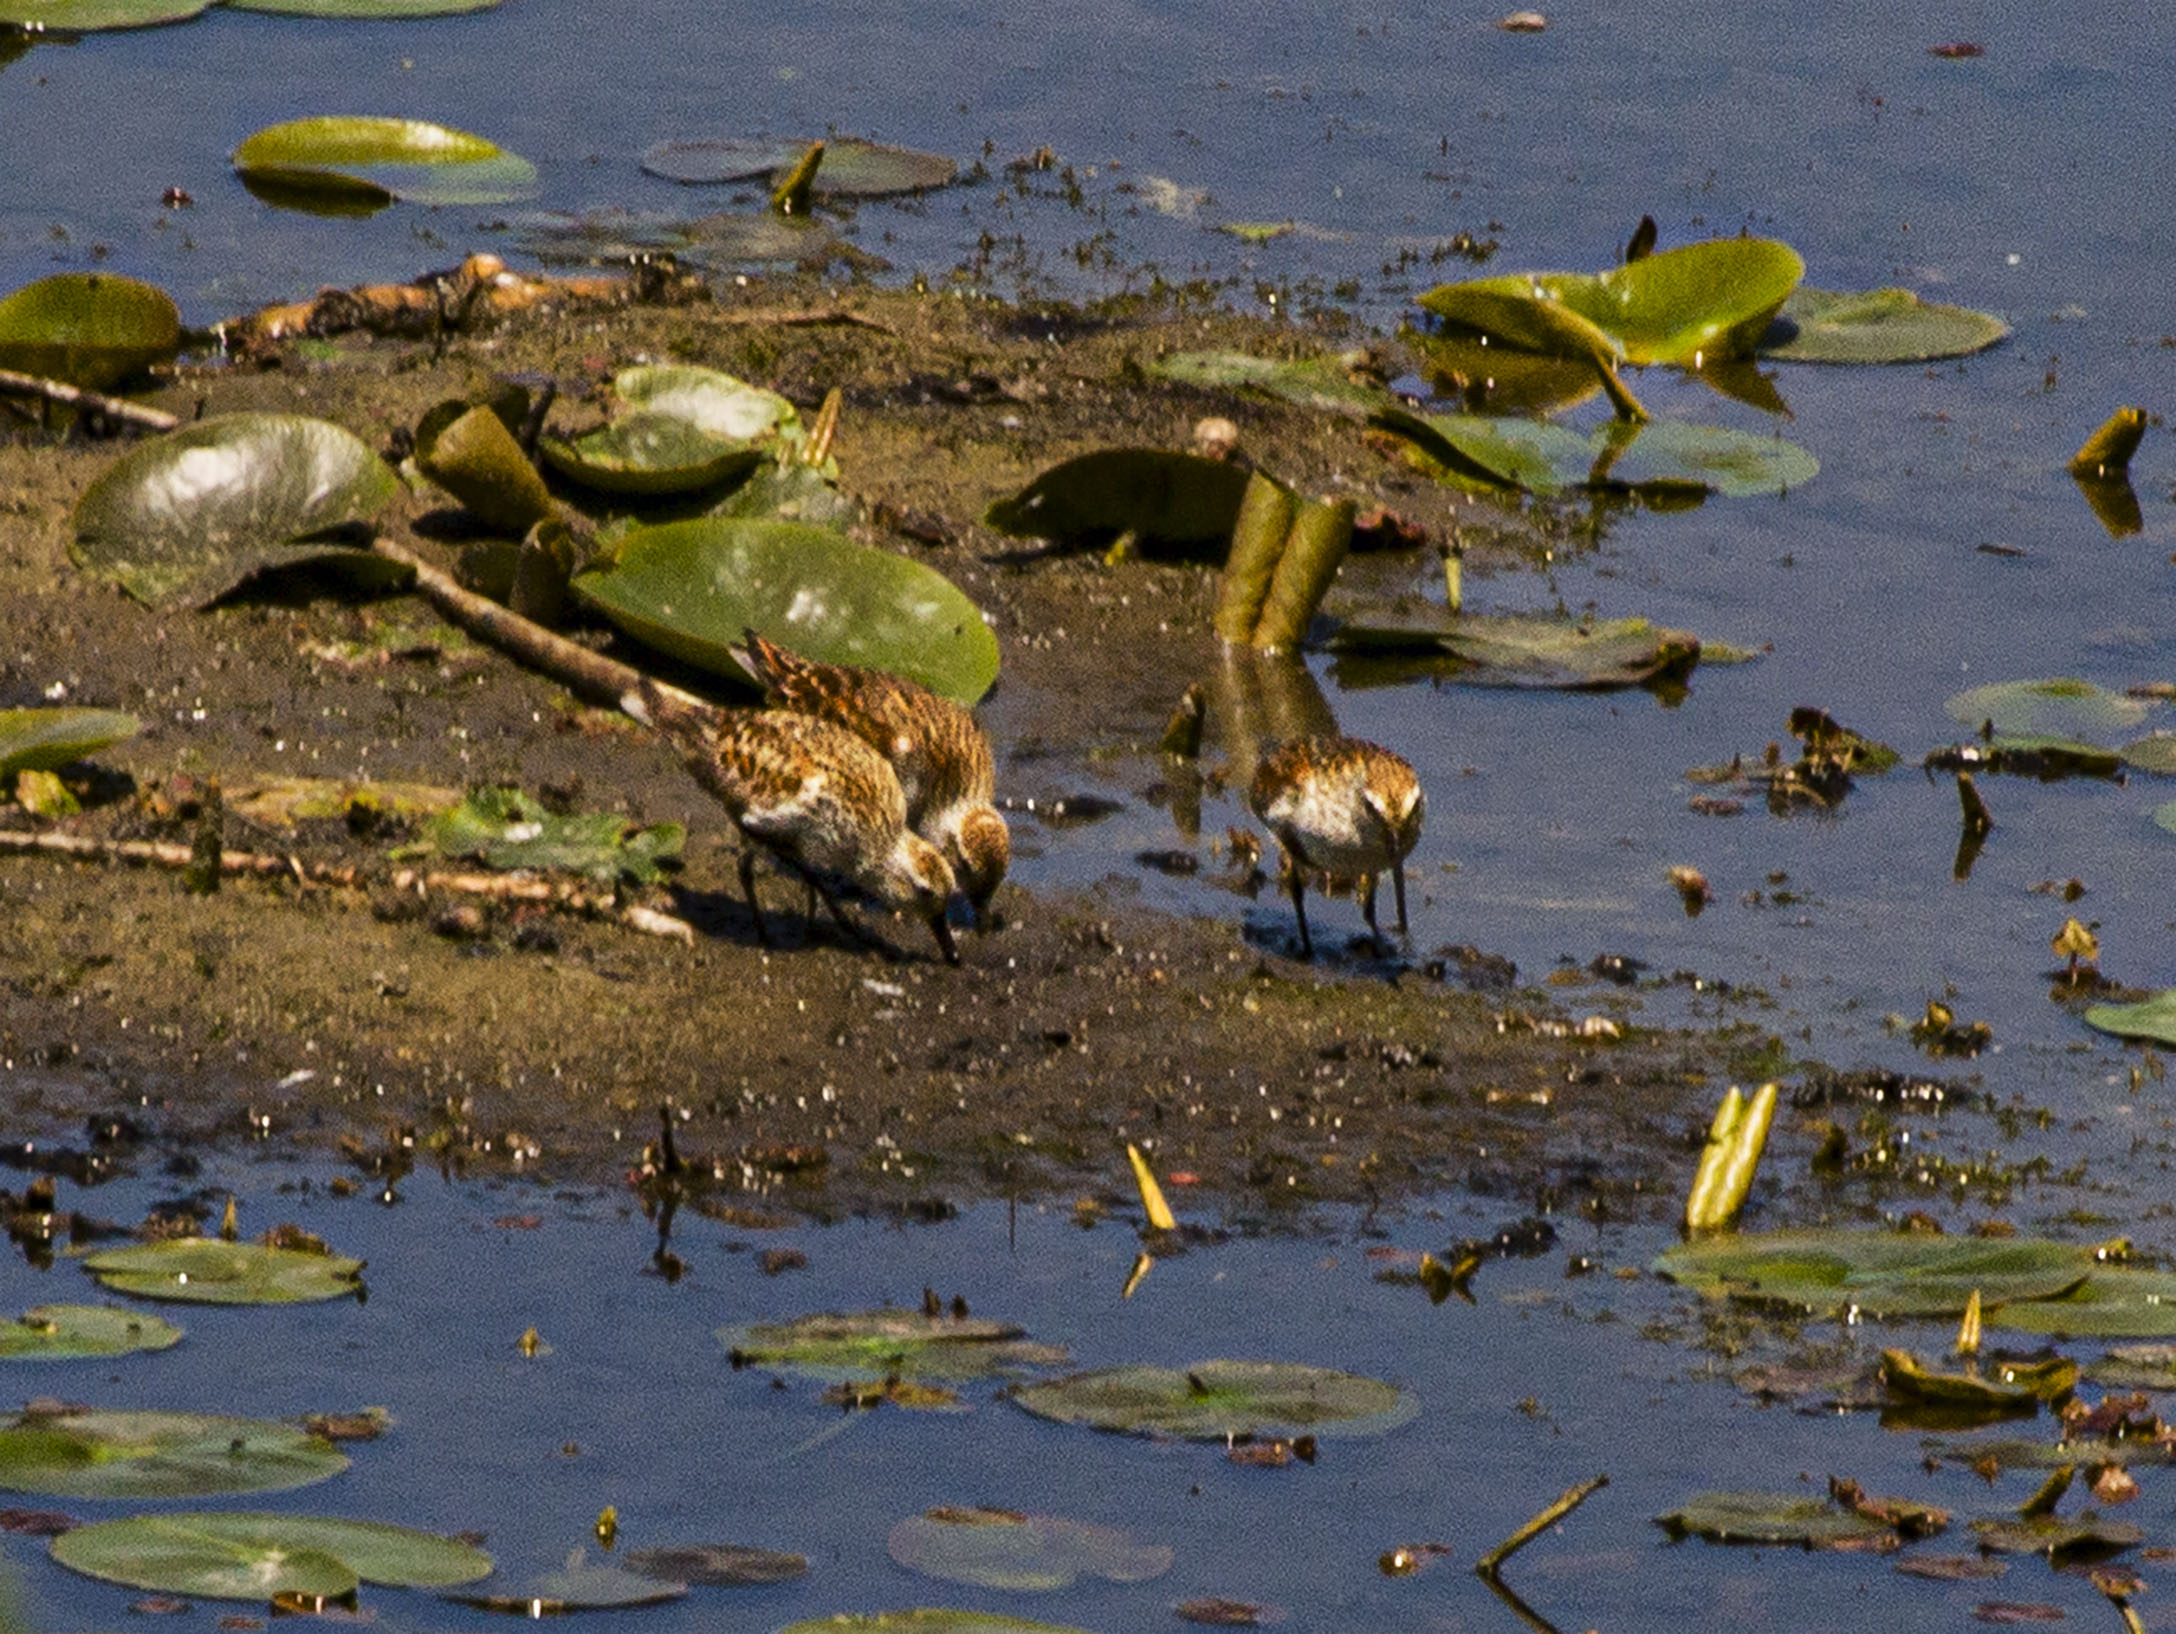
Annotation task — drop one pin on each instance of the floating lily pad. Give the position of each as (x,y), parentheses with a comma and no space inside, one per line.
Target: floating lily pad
(906,1344)
(2056,1537)
(718,1565)
(48,1333)
(349,162)
(1774,1518)
(44,740)
(505,828)
(363,10)
(2058,708)
(2153,1020)
(693,589)
(1004,1549)
(246,1556)
(1875,326)
(1514,650)
(188,516)
(208,1271)
(2135,1367)
(850,169)
(1879,1273)
(649,453)
(92,1453)
(93,16)
(925,1620)
(1216,1400)
(1651,458)
(2088,1452)
(1149,492)
(1687,305)
(2155,752)
(87,329)
(576,1588)
(2120,1302)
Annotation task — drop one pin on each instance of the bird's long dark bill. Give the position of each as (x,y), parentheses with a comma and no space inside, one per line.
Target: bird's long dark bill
(943,929)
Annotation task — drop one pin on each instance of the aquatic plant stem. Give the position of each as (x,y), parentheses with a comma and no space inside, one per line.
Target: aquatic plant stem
(1564,1504)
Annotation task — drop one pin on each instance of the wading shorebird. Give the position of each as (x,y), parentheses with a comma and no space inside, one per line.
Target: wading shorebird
(940,755)
(820,801)
(1340,806)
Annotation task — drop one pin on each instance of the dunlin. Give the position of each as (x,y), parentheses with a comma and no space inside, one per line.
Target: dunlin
(942,758)
(819,800)
(1339,806)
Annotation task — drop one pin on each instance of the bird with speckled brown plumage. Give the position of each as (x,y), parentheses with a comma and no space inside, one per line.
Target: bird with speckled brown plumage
(940,755)
(820,801)
(1340,806)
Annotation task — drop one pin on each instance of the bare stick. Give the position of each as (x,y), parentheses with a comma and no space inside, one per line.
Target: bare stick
(114,408)
(1541,1523)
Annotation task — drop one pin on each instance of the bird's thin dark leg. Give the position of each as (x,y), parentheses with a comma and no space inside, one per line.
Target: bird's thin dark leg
(1397,881)
(1298,883)
(1367,905)
(748,890)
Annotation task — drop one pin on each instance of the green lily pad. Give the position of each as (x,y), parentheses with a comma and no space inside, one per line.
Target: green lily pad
(709,399)
(1480,451)
(1657,457)
(91,1453)
(1004,1549)
(1216,1400)
(247,1556)
(649,453)
(1875,326)
(2155,752)
(1149,492)
(2056,1537)
(2060,708)
(577,1588)
(925,1620)
(44,740)
(2152,1020)
(186,517)
(208,1271)
(2086,1452)
(1879,1273)
(850,169)
(94,16)
(349,162)
(693,590)
(1995,1392)
(47,1333)
(363,10)
(1655,454)
(2135,1367)
(505,828)
(717,1565)
(2119,1302)
(87,329)
(1315,383)
(469,452)
(893,1342)
(1515,650)
(1693,304)
(1773,1518)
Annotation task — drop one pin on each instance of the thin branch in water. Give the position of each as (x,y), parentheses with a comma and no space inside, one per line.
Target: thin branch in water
(113,408)
(1564,1505)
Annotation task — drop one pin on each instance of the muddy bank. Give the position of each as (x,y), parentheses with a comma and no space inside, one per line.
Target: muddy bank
(496,1033)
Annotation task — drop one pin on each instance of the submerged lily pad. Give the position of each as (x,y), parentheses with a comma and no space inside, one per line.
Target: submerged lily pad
(577,1587)
(718,1565)
(1152,493)
(693,590)
(44,740)
(1688,305)
(48,1333)
(505,828)
(363,10)
(1004,1549)
(248,1556)
(718,243)
(1774,1518)
(900,1343)
(93,16)
(187,516)
(346,162)
(850,169)
(2059,708)
(209,1271)
(87,329)
(1875,326)
(1216,1400)
(1879,1273)
(1515,650)
(92,1453)
(925,1620)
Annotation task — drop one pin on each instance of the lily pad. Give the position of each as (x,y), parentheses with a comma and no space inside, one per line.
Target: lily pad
(2056,1537)
(1875,326)
(92,1453)
(718,1565)
(87,329)
(1654,458)
(363,10)
(247,1556)
(709,399)
(1774,1518)
(925,1620)
(850,169)
(693,590)
(186,517)
(94,16)
(208,1271)
(649,453)
(2120,1302)
(1004,1549)
(1316,383)
(1217,1400)
(1687,305)
(1994,1392)
(2152,1020)
(1879,1273)
(2135,1367)
(348,162)
(896,1342)
(2059,708)
(47,1333)
(577,1588)
(505,828)
(44,740)
(719,243)
(1515,650)
(2155,752)
(1151,493)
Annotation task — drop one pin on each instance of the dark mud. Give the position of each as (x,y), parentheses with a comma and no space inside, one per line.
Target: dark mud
(485,1036)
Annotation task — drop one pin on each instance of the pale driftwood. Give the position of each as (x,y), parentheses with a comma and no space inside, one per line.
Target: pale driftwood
(113,408)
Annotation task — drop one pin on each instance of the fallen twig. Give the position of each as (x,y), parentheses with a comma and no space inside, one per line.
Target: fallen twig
(1541,1523)
(113,408)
